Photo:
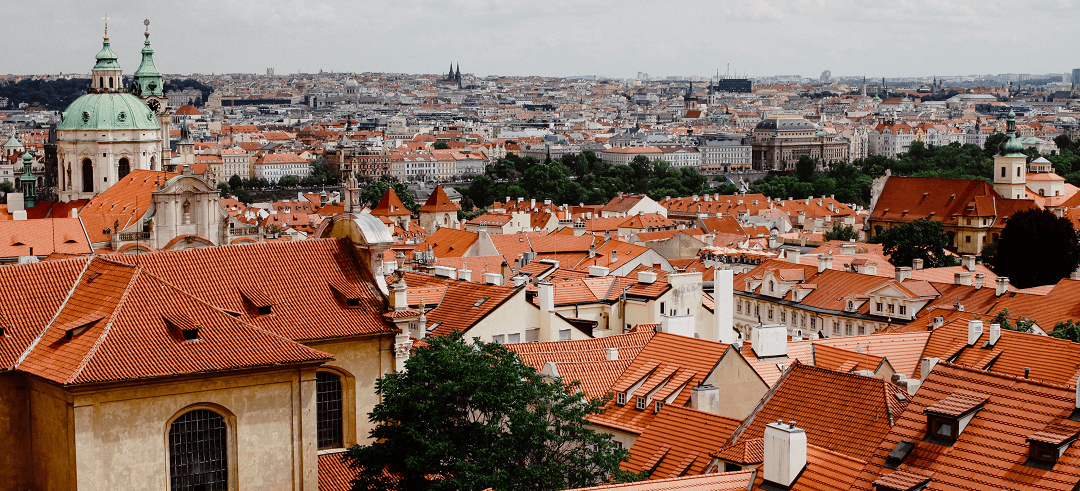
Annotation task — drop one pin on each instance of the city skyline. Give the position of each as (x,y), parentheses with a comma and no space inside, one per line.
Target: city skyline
(558,39)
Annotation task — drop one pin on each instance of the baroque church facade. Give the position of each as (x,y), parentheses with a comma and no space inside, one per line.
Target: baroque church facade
(110,131)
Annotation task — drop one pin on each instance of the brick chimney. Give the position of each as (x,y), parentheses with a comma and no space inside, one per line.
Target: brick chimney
(785,453)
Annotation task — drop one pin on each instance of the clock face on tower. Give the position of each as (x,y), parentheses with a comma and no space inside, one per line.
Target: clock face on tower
(154,104)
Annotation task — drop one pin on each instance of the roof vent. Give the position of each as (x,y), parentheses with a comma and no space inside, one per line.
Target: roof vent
(646,277)
(899,453)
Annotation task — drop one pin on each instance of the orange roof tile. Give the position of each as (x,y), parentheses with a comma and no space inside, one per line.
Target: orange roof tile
(123,204)
(585,350)
(390,206)
(439,201)
(692,436)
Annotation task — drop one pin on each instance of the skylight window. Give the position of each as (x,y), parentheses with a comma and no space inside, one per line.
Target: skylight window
(481,301)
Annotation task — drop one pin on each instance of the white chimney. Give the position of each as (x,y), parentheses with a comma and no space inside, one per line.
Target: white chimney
(995,334)
(917,264)
(1002,285)
(785,453)
(769,340)
(464,275)
(870,269)
(705,398)
(598,271)
(546,295)
(968,262)
(938,322)
(794,255)
(980,279)
(927,366)
(903,273)
(493,279)
(646,277)
(612,354)
(975,329)
(824,262)
(445,272)
(962,278)
(723,302)
(520,280)
(847,248)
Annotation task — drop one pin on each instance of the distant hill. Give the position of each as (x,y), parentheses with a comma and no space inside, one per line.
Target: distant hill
(58,94)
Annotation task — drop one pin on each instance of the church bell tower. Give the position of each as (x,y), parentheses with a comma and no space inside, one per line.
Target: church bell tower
(1010,165)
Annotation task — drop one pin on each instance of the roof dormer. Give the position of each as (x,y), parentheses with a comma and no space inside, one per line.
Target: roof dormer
(947,418)
(1046,446)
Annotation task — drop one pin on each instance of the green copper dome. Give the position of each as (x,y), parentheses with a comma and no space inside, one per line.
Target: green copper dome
(1012,146)
(108,111)
(106,59)
(13,142)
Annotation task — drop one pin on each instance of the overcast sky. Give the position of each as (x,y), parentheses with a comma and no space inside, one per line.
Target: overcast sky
(554,38)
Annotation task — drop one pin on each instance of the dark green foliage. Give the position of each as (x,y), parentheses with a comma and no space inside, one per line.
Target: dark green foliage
(1023,324)
(583,178)
(1036,248)
(375,190)
(473,416)
(178,84)
(288,181)
(56,95)
(920,239)
(441,146)
(842,232)
(235,182)
(1069,329)
(223,189)
(243,196)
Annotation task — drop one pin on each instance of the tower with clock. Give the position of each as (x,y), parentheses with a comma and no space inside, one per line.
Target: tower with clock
(149,85)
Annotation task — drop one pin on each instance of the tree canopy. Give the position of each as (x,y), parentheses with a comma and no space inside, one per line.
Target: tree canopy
(842,232)
(473,416)
(1036,248)
(920,239)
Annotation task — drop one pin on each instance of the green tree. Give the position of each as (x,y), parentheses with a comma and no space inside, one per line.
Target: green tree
(288,181)
(223,189)
(1023,324)
(842,232)
(1069,329)
(5,188)
(473,416)
(441,145)
(375,190)
(805,168)
(243,196)
(920,239)
(235,182)
(1036,248)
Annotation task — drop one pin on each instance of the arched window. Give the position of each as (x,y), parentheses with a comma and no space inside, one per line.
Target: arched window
(110,82)
(101,82)
(329,410)
(87,176)
(123,168)
(198,454)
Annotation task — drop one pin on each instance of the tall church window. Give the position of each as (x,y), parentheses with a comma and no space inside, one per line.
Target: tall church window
(87,176)
(110,82)
(1003,171)
(197,452)
(123,168)
(328,410)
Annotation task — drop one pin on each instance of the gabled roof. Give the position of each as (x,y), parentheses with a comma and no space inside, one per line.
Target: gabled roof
(583,350)
(449,242)
(690,436)
(121,322)
(825,470)
(439,201)
(843,412)
(30,295)
(461,306)
(390,206)
(727,481)
(124,203)
(992,449)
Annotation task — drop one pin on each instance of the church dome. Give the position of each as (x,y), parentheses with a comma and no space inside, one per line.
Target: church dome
(352,83)
(1012,146)
(108,111)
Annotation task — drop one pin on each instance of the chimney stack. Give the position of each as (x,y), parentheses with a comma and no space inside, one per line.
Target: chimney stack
(612,354)
(464,275)
(598,271)
(979,280)
(926,366)
(824,261)
(793,255)
(546,295)
(705,398)
(785,453)
(938,322)
(968,262)
(917,264)
(995,334)
(646,277)
(975,329)
(493,279)
(962,278)
(723,305)
(870,269)
(903,273)
(1002,286)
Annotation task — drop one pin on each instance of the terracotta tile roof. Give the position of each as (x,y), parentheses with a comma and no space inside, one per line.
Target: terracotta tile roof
(726,224)
(120,323)
(461,307)
(584,350)
(991,451)
(477,265)
(957,403)
(769,369)
(439,201)
(390,206)
(728,481)
(691,434)
(667,234)
(596,377)
(843,360)
(448,242)
(668,353)
(905,199)
(61,235)
(623,204)
(335,474)
(843,412)
(825,470)
(30,295)
(304,306)
(125,202)
(903,350)
(746,451)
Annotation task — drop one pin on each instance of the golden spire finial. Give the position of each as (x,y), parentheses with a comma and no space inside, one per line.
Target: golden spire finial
(106,20)
(147,24)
